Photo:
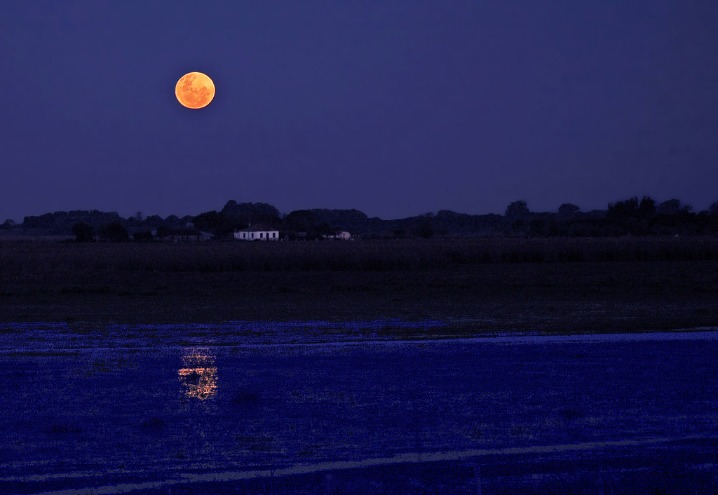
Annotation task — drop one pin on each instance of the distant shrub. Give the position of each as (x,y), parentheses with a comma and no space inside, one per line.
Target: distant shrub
(83,232)
(114,232)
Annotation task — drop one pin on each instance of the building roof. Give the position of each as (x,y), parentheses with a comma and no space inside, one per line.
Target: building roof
(260,228)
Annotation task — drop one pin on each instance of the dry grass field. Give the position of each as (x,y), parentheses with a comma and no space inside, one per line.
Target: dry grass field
(545,285)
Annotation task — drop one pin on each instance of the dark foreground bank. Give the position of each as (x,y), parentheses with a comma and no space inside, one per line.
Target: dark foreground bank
(551,285)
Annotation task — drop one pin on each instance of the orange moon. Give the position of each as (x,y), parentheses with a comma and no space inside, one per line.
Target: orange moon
(194,90)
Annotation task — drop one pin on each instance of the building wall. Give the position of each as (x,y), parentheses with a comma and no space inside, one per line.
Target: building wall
(344,236)
(262,235)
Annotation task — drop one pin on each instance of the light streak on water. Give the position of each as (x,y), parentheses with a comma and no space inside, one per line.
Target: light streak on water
(49,337)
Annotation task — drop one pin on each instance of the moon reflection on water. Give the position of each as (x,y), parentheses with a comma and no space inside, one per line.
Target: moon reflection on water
(198,374)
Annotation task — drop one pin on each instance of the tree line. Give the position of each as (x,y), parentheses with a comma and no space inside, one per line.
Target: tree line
(632,216)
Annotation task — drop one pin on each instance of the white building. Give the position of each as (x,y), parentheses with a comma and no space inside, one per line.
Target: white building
(344,236)
(257,233)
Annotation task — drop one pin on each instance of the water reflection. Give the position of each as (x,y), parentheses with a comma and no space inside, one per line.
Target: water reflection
(198,374)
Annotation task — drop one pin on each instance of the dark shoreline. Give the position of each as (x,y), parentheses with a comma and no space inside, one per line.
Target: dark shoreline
(571,286)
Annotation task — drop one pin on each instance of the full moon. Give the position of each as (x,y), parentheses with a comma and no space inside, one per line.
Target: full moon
(194,90)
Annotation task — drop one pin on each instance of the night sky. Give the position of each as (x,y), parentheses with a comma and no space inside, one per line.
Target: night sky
(394,107)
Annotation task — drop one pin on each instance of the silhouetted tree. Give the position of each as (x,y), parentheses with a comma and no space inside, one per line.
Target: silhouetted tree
(142,236)
(517,209)
(647,207)
(568,210)
(352,220)
(113,232)
(670,207)
(216,223)
(301,221)
(174,222)
(251,213)
(621,210)
(424,227)
(153,221)
(83,232)
(537,227)
(630,216)
(8,224)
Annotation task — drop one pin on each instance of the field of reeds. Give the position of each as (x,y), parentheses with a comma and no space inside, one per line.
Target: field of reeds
(373,255)
(485,284)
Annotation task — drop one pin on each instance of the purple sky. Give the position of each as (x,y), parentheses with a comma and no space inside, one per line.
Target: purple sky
(394,107)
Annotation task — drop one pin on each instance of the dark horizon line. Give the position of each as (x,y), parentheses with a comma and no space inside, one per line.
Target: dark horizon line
(712,206)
